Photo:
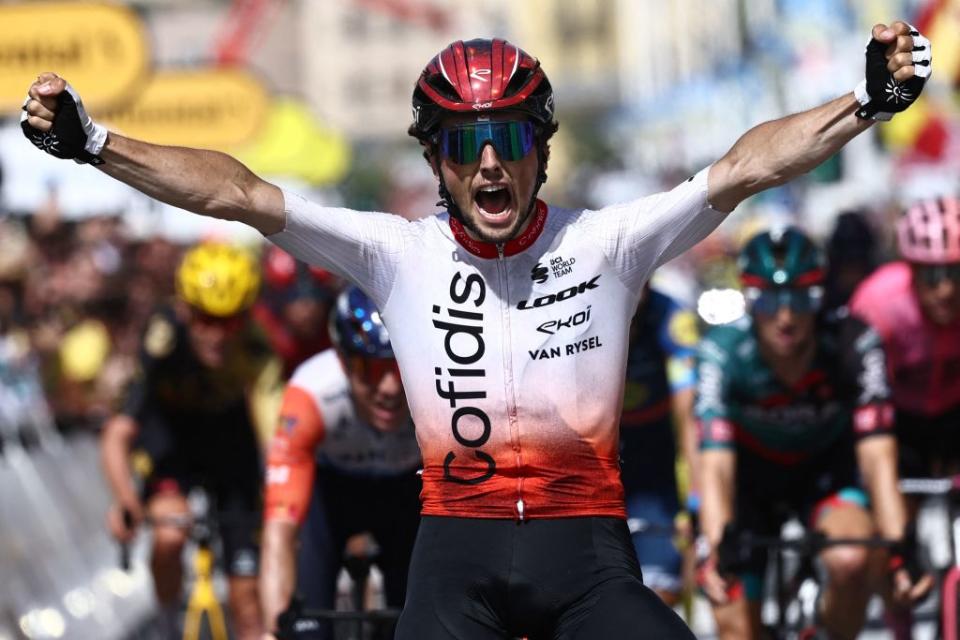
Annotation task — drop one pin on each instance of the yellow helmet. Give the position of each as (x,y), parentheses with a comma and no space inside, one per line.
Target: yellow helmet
(218,279)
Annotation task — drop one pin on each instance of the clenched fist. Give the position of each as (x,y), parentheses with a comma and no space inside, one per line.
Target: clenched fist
(899,62)
(55,121)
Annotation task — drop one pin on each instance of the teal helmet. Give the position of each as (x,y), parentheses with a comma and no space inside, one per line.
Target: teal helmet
(784,257)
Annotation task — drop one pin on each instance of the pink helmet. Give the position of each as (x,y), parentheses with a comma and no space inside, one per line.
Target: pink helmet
(929,231)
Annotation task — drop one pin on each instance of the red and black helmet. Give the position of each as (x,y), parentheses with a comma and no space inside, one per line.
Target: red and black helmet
(480,76)
(288,279)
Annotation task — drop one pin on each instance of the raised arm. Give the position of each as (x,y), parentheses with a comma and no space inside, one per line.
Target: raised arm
(206,182)
(775,152)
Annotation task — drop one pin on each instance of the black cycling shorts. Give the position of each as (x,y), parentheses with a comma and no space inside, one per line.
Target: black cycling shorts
(564,579)
(221,456)
(768,494)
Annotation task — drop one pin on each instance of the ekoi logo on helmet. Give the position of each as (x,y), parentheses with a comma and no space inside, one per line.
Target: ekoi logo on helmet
(479,74)
(482,106)
(548,105)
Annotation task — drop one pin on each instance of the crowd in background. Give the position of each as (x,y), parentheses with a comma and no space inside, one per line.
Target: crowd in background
(75,295)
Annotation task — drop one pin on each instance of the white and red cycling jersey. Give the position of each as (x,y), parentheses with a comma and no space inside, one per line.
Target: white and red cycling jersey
(923,358)
(512,356)
(319,424)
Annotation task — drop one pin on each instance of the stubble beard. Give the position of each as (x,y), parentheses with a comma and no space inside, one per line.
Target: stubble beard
(501,236)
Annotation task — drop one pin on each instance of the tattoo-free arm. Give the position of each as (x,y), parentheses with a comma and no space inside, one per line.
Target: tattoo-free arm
(278,571)
(877,457)
(205,182)
(116,440)
(685,427)
(775,152)
(717,477)
(209,183)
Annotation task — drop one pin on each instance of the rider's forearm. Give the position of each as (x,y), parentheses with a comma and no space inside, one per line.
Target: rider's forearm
(278,571)
(686,427)
(115,442)
(877,457)
(206,182)
(775,152)
(718,468)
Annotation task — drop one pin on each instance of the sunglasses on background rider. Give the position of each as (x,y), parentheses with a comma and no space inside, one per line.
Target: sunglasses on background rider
(931,275)
(768,301)
(226,323)
(372,370)
(464,143)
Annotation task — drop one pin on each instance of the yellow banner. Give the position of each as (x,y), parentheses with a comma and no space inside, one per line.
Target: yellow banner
(292,143)
(99,48)
(204,108)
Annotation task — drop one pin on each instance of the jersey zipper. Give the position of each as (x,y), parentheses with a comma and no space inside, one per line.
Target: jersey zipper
(508,382)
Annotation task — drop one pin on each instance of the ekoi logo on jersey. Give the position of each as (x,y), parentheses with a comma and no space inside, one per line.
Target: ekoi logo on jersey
(462,330)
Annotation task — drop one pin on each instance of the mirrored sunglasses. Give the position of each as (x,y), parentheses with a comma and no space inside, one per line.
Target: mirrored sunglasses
(931,275)
(372,370)
(225,323)
(463,144)
(797,299)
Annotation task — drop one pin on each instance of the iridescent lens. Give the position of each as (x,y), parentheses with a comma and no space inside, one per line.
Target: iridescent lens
(797,299)
(372,370)
(463,144)
(931,275)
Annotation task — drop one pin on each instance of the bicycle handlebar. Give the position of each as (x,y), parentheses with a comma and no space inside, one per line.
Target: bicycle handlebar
(930,486)
(296,620)
(201,527)
(735,547)
(812,542)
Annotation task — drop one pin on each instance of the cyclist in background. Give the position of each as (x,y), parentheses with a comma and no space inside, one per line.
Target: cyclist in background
(790,407)
(657,421)
(344,451)
(851,257)
(519,428)
(189,409)
(914,304)
(294,307)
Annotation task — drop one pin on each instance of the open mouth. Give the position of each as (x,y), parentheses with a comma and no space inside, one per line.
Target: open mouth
(493,201)
(388,414)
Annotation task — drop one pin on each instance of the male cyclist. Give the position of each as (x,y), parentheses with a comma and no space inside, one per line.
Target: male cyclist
(344,451)
(656,424)
(791,407)
(189,410)
(294,306)
(515,394)
(914,305)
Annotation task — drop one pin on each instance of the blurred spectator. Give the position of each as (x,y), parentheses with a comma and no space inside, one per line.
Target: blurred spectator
(294,307)
(82,304)
(21,394)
